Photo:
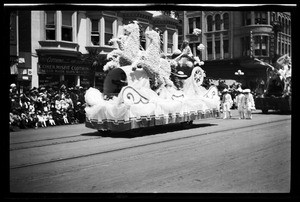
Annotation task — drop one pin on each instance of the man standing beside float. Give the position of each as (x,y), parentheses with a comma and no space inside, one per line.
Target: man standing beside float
(248,103)
(226,104)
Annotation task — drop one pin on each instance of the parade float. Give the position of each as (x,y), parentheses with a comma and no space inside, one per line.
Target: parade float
(143,88)
(278,91)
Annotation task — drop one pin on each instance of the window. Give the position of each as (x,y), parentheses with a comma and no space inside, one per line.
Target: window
(217,49)
(286,50)
(179,31)
(66,28)
(170,42)
(209,50)
(226,21)
(285,26)
(273,17)
(209,23)
(264,45)
(218,22)
(246,46)
(191,27)
(108,30)
(95,35)
(198,52)
(198,23)
(50,25)
(261,18)
(226,48)
(247,18)
(260,45)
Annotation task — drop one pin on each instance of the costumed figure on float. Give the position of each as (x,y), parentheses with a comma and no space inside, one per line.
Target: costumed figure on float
(139,91)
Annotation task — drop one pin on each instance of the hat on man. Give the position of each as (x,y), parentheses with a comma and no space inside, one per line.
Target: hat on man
(180,74)
(225,90)
(247,91)
(12,85)
(240,90)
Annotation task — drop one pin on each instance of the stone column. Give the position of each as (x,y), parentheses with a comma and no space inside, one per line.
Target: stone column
(84,36)
(102,31)
(58,25)
(115,31)
(165,41)
(252,18)
(213,46)
(221,46)
(175,41)
(74,27)
(147,39)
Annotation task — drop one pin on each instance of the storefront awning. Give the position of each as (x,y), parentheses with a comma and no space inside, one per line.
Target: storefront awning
(254,63)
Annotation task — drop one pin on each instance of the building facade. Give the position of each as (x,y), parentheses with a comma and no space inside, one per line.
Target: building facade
(233,39)
(61,46)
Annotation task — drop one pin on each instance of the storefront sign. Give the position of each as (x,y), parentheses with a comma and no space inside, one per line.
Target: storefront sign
(63,66)
(48,80)
(85,82)
(194,38)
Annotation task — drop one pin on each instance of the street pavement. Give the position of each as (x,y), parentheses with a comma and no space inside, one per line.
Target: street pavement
(212,156)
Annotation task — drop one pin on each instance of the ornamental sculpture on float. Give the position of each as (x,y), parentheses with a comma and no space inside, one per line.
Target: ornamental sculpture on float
(144,88)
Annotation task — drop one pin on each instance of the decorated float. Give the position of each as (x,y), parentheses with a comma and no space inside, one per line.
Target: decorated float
(277,95)
(143,88)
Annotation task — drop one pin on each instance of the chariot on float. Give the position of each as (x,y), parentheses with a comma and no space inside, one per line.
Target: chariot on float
(143,88)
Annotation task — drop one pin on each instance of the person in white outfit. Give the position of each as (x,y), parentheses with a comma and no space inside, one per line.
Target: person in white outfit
(249,104)
(239,102)
(227,103)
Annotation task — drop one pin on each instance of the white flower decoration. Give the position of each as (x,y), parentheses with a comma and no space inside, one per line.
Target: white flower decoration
(197,31)
(201,47)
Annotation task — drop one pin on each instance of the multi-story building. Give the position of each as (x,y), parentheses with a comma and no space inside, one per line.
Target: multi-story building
(233,39)
(61,45)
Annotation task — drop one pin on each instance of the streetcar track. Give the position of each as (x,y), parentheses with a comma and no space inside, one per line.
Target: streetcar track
(33,141)
(140,145)
(49,144)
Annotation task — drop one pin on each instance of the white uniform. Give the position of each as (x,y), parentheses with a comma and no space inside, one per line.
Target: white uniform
(249,105)
(240,104)
(227,102)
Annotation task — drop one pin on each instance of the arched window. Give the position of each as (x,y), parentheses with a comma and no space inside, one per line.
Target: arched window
(289,27)
(273,17)
(282,24)
(285,26)
(218,22)
(226,20)
(209,23)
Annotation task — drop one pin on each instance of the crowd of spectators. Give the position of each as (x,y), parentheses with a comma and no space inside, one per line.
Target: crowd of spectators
(46,106)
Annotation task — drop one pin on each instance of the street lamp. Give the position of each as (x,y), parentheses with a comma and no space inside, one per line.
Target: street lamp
(239,73)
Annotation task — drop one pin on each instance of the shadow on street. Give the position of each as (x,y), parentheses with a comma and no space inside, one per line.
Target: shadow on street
(140,132)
